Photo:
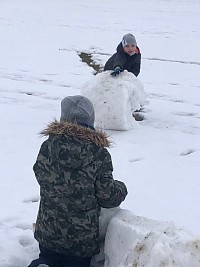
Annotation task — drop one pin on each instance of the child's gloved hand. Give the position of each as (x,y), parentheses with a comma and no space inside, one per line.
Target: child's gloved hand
(116,71)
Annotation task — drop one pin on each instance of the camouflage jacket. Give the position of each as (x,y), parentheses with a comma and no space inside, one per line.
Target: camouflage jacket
(74,171)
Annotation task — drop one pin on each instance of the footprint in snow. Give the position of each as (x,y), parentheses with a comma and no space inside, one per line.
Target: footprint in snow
(25,241)
(23,226)
(174,84)
(177,100)
(187,152)
(31,200)
(45,81)
(135,160)
(31,93)
(186,114)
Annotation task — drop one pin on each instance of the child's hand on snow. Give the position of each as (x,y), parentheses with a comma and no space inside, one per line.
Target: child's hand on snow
(116,71)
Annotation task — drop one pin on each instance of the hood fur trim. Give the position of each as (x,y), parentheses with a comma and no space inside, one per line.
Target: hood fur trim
(98,137)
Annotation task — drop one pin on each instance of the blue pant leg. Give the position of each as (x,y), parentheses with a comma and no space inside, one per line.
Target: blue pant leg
(48,257)
(37,262)
(70,261)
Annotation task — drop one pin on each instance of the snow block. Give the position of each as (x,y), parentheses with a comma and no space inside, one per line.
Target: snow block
(138,241)
(104,219)
(115,99)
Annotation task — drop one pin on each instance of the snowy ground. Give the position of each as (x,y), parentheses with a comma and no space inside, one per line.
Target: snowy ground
(39,65)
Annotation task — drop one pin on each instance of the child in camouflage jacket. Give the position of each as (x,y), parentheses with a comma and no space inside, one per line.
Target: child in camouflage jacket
(74,171)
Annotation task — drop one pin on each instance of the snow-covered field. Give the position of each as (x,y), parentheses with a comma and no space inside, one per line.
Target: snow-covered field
(39,65)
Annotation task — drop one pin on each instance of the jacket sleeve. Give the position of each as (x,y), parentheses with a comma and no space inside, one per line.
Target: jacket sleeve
(119,60)
(42,165)
(109,64)
(109,192)
(136,67)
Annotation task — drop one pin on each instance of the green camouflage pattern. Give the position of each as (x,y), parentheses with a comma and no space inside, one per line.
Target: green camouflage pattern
(74,171)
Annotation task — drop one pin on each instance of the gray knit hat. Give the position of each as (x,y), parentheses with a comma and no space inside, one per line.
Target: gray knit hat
(77,109)
(128,39)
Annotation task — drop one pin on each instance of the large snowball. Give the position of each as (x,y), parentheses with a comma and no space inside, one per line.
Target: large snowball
(115,99)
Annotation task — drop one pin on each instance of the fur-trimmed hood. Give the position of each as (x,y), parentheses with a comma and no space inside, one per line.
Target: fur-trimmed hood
(98,137)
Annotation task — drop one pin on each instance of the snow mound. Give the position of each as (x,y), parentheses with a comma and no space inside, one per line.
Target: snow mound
(138,241)
(115,99)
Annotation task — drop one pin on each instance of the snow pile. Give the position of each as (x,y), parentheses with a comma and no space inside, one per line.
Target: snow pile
(138,241)
(17,246)
(104,219)
(115,99)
